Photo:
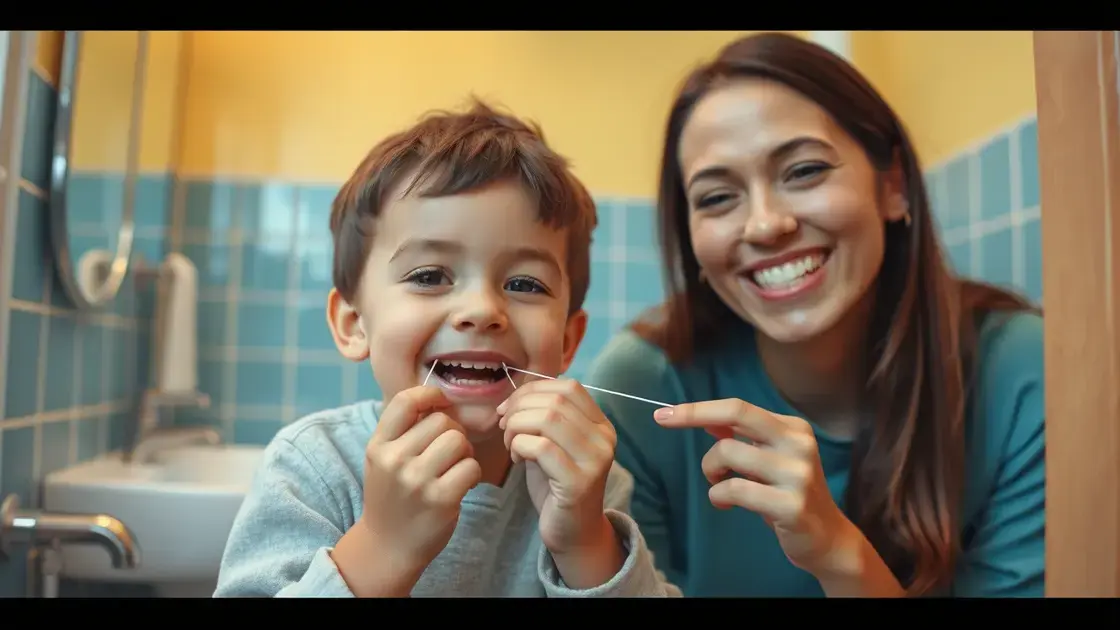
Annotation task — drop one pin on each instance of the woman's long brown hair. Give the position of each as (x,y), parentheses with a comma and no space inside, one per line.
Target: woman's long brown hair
(907,475)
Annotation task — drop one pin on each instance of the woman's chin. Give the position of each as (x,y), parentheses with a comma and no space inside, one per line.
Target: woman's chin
(794,325)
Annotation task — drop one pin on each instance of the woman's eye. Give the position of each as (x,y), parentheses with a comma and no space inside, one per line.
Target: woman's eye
(707,201)
(525,285)
(807,170)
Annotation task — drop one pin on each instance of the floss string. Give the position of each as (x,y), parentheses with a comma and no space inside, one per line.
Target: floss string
(598,389)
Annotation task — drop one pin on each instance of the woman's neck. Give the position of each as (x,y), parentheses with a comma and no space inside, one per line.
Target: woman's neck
(824,377)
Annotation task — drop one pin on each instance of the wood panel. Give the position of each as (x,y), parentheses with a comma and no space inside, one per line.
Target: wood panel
(1079,170)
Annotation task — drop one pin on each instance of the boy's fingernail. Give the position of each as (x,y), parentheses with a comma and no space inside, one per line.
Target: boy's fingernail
(663,414)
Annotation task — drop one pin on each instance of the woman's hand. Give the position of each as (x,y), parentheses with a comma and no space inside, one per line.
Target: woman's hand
(781,480)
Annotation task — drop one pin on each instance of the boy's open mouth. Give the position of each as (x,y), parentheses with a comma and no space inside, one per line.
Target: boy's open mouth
(465,373)
(472,373)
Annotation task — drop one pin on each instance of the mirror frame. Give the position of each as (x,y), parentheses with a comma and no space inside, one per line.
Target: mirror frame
(60,174)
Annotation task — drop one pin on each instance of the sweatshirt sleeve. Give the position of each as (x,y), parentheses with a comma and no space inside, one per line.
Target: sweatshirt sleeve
(282,537)
(638,576)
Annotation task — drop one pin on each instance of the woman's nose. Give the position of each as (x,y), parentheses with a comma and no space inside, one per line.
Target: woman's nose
(767,223)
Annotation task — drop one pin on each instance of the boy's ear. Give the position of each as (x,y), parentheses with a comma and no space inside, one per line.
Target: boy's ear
(574,331)
(346,327)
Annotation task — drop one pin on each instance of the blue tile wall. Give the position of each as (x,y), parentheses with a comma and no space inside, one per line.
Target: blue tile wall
(72,378)
(263,251)
(986,203)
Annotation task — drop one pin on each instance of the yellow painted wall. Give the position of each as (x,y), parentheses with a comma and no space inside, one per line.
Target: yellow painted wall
(104,98)
(308,105)
(951,88)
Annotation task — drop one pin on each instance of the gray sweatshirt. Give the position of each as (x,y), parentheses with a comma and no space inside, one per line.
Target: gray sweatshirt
(308,493)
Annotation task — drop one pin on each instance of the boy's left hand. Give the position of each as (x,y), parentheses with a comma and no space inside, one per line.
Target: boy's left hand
(569,444)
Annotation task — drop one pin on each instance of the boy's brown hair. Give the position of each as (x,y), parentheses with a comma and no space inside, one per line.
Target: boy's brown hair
(451,154)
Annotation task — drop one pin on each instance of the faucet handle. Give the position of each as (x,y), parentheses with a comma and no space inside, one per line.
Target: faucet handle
(7,523)
(34,528)
(178,399)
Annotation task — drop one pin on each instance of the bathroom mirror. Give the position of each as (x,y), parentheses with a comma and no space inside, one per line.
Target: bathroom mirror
(95,161)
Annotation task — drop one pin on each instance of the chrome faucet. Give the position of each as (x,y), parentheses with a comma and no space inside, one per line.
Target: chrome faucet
(157,440)
(36,528)
(150,438)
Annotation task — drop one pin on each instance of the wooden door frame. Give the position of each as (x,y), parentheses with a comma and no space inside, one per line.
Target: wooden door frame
(1079,174)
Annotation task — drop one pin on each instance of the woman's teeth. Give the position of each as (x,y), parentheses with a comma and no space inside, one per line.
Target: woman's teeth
(787,274)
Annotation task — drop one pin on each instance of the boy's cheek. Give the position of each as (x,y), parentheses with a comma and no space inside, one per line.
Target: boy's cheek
(395,359)
(545,348)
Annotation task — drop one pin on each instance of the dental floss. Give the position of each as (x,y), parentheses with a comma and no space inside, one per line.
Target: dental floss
(598,389)
(506,368)
(433,370)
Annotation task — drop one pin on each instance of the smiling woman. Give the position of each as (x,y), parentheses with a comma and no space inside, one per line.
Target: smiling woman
(893,413)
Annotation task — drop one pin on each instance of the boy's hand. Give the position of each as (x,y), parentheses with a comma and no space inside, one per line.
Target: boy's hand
(569,444)
(419,466)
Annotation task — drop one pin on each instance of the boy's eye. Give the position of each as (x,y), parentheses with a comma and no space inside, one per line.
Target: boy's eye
(525,285)
(428,277)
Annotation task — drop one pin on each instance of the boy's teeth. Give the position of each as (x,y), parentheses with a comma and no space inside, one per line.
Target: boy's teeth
(468,381)
(786,274)
(473,365)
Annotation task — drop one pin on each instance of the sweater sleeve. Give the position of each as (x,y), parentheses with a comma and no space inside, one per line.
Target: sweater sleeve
(1004,553)
(638,576)
(281,539)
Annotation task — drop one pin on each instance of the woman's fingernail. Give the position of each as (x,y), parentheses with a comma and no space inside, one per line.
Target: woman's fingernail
(501,409)
(663,414)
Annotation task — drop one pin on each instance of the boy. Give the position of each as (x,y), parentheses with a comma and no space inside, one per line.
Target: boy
(461,247)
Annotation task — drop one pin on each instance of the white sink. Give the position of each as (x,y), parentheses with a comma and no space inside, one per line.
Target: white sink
(180,508)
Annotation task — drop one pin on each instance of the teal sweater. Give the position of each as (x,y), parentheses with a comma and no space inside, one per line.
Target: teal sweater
(710,553)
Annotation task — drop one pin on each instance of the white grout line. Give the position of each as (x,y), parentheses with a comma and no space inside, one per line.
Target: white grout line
(255,180)
(1018,255)
(76,388)
(227,410)
(977,231)
(46,309)
(617,305)
(974,175)
(104,430)
(40,389)
(80,414)
(291,315)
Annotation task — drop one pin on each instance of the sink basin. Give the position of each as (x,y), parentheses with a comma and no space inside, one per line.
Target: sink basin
(180,507)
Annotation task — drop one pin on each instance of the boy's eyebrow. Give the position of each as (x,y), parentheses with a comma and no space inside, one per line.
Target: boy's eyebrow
(452,247)
(432,245)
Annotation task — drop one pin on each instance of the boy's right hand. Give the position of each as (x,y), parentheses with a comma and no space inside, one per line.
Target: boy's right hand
(419,466)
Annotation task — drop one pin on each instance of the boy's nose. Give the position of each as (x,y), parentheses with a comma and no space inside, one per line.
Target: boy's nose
(481,314)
